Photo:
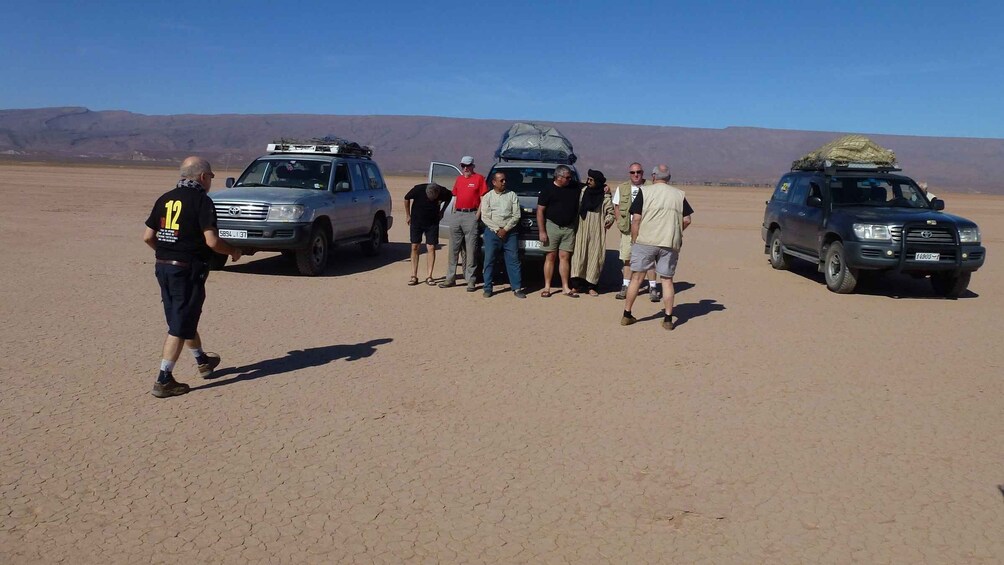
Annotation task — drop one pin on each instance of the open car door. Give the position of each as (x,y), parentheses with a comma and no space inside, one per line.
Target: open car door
(444,174)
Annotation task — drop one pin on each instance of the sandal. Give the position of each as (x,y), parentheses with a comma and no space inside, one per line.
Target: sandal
(545,294)
(428,281)
(570,294)
(412,281)
(593,293)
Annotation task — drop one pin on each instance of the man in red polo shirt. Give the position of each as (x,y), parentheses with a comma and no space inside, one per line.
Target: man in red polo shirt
(467,192)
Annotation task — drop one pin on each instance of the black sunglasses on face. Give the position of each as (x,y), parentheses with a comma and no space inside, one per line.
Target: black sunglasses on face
(636,172)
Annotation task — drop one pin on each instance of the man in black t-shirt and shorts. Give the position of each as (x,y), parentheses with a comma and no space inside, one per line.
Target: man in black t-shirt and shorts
(557,217)
(423,207)
(181,229)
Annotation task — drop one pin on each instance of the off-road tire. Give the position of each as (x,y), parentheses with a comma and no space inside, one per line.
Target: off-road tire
(949,284)
(371,246)
(313,259)
(839,277)
(778,259)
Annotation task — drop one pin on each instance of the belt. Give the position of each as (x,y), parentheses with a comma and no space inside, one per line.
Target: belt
(467,209)
(181,264)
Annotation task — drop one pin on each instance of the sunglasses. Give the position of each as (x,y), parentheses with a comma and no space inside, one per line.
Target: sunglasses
(466,166)
(636,172)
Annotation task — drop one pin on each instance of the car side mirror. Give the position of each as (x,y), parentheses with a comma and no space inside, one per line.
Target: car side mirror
(342,186)
(230,182)
(814,202)
(938,204)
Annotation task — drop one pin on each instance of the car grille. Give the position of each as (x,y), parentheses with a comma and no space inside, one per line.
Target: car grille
(528,226)
(935,236)
(241,211)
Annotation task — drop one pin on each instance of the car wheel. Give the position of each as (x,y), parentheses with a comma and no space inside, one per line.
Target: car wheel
(950,285)
(778,259)
(375,241)
(313,259)
(839,277)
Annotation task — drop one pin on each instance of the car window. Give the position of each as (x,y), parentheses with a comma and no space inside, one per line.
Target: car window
(342,183)
(782,192)
(287,173)
(358,180)
(527,181)
(373,179)
(800,191)
(876,191)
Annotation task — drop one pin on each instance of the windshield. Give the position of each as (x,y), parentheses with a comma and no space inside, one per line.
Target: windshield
(287,173)
(879,192)
(527,181)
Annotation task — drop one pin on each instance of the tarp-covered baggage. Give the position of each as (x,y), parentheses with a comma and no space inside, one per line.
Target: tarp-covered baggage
(530,142)
(846,150)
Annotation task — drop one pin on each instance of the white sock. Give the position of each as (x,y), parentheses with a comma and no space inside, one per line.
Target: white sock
(651,284)
(166,366)
(627,282)
(197,352)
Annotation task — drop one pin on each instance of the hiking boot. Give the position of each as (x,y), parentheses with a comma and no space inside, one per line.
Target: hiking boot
(487,294)
(628,319)
(170,388)
(471,287)
(622,294)
(656,295)
(448,283)
(212,361)
(644,288)
(519,293)
(667,323)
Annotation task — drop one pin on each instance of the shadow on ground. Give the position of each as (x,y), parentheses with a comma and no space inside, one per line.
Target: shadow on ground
(688,310)
(878,283)
(341,261)
(294,361)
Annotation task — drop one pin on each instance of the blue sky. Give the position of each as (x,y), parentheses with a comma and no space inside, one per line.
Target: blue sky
(915,68)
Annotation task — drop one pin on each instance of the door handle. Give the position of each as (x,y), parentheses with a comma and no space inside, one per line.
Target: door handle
(372,197)
(354,199)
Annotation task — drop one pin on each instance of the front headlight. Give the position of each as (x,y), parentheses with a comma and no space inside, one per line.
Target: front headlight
(284,213)
(969,235)
(872,231)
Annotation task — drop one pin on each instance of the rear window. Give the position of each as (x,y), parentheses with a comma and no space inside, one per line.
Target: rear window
(527,181)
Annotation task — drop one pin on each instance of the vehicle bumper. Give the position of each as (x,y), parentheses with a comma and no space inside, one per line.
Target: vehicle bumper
(888,256)
(267,236)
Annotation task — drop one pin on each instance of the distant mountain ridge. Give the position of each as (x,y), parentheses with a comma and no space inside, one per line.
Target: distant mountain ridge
(406,144)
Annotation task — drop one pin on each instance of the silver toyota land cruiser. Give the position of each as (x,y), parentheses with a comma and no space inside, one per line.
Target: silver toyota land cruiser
(303,197)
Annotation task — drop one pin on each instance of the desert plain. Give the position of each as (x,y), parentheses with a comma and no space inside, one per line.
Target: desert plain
(356,419)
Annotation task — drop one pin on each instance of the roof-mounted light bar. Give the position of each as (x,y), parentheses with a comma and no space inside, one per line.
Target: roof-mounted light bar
(342,147)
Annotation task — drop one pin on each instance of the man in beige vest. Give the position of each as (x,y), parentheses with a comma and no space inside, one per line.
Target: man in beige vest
(659,214)
(622,198)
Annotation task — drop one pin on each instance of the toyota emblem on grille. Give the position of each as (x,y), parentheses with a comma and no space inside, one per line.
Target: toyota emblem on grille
(927,234)
(235,210)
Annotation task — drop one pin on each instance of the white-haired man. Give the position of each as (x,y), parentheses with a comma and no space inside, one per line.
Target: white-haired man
(659,214)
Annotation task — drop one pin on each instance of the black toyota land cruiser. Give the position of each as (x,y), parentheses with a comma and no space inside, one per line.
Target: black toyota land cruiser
(856,217)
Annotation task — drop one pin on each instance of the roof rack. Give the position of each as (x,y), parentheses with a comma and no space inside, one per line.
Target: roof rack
(829,166)
(323,146)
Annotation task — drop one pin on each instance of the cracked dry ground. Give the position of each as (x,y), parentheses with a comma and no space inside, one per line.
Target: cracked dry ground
(359,420)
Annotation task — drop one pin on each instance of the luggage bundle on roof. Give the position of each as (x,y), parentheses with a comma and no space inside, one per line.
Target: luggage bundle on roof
(530,142)
(326,145)
(849,151)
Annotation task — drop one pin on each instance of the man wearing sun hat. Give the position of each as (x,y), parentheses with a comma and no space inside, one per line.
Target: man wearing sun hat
(467,192)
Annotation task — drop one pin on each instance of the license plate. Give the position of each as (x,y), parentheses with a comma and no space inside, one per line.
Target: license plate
(529,243)
(928,256)
(234,234)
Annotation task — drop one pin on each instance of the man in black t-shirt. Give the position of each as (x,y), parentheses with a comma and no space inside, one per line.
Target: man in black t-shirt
(181,229)
(423,207)
(557,217)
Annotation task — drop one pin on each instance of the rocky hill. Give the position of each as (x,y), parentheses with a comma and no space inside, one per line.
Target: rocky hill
(406,144)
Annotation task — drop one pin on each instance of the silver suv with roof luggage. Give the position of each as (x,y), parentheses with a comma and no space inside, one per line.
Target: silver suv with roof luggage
(303,197)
